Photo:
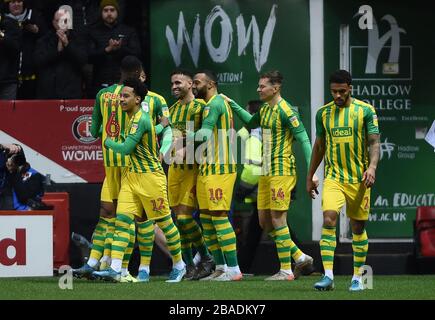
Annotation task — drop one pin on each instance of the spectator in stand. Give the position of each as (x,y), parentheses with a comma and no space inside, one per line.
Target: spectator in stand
(59,57)
(85,12)
(10,42)
(110,41)
(33,26)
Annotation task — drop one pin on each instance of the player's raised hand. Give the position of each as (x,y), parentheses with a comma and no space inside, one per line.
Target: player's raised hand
(369,177)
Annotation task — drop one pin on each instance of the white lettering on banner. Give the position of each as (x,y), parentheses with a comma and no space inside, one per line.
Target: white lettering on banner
(380,202)
(260,55)
(403,152)
(26,246)
(81,109)
(383,90)
(230,77)
(413,200)
(193,45)
(390,104)
(220,54)
(415,118)
(82,155)
(388,217)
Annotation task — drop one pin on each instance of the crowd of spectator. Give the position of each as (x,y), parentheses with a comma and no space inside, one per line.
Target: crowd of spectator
(62,49)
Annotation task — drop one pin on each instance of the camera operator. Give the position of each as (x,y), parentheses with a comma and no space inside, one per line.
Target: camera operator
(27,183)
(6,201)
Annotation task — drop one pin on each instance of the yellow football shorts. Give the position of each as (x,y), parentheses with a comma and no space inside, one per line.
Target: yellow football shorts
(144,191)
(355,195)
(112,183)
(182,187)
(274,192)
(105,195)
(215,192)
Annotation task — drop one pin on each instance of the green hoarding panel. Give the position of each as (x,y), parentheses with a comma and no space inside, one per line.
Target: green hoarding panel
(390,56)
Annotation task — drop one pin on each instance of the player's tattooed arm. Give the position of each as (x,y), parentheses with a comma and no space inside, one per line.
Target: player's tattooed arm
(369,175)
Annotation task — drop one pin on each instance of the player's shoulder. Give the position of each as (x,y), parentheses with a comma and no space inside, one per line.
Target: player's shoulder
(174,105)
(216,99)
(364,105)
(199,102)
(156,96)
(325,107)
(109,89)
(286,108)
(142,117)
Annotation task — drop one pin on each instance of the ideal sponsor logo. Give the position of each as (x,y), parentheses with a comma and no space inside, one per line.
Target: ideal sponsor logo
(341,132)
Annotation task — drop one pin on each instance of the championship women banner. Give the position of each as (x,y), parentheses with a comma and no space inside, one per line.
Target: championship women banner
(389,52)
(56,138)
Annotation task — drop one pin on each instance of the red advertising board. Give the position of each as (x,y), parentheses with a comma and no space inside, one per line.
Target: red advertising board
(56,137)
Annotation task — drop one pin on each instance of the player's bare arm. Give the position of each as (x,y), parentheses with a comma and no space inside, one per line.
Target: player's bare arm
(369,175)
(316,158)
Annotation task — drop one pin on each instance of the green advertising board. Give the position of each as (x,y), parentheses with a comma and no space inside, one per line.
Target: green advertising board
(239,40)
(388,48)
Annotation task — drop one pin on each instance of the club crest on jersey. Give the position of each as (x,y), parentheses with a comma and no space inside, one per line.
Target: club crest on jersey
(294,121)
(205,112)
(81,129)
(145,106)
(353,115)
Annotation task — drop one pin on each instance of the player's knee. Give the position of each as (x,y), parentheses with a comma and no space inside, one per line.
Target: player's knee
(107,210)
(357,227)
(329,219)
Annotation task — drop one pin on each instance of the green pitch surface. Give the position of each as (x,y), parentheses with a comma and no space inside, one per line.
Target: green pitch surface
(251,288)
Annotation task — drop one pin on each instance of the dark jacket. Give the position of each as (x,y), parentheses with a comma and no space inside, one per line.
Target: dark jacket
(9,50)
(59,73)
(29,43)
(106,65)
(28,189)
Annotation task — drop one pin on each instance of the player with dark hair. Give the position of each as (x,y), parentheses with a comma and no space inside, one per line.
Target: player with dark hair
(347,136)
(185,114)
(144,188)
(217,175)
(109,120)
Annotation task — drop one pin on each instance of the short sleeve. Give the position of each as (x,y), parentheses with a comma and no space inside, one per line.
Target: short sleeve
(320,128)
(371,120)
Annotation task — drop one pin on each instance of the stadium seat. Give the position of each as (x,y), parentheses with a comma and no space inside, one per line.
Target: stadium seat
(425,231)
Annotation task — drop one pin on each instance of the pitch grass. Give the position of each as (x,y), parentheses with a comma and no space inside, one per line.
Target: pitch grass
(251,288)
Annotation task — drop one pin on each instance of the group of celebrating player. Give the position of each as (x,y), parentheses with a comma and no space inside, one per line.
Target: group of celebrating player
(138,131)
